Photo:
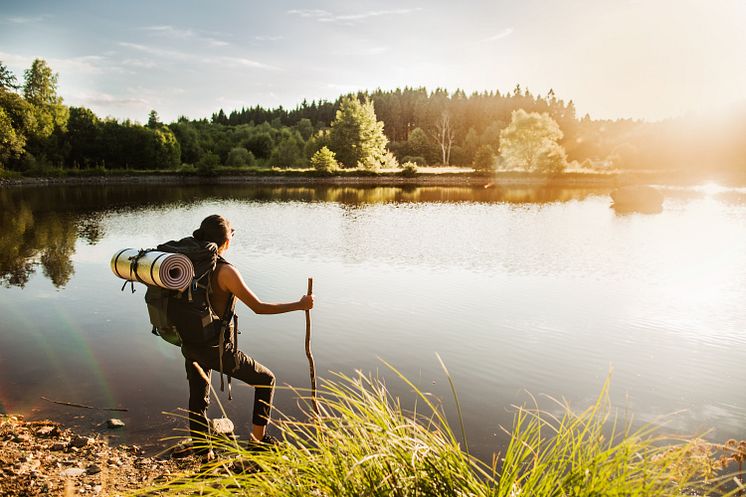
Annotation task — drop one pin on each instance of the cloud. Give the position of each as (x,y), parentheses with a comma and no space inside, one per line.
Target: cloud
(499,36)
(184,34)
(361,51)
(98,98)
(86,64)
(325,16)
(310,13)
(23,20)
(268,38)
(190,57)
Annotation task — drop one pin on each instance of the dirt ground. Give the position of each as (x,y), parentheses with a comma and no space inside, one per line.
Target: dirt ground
(44,458)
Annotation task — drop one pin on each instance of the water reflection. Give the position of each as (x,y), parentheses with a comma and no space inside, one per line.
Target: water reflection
(40,225)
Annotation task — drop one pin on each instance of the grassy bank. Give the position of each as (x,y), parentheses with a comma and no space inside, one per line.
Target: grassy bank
(364,444)
(424,176)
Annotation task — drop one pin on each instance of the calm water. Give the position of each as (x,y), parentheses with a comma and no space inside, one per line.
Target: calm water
(520,290)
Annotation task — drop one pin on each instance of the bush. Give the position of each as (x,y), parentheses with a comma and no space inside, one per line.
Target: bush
(208,164)
(239,157)
(409,170)
(416,159)
(324,161)
(484,159)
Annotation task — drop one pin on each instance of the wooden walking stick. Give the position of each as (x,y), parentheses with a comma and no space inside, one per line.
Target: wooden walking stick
(309,355)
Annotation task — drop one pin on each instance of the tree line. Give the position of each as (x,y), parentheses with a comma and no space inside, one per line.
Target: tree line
(516,130)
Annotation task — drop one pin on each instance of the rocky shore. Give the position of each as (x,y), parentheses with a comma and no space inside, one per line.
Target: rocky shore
(44,458)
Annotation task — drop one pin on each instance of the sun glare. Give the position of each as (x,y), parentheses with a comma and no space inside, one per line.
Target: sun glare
(710,189)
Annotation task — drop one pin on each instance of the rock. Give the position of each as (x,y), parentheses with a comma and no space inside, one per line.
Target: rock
(93,469)
(79,442)
(72,472)
(222,426)
(47,431)
(115,423)
(58,446)
(22,438)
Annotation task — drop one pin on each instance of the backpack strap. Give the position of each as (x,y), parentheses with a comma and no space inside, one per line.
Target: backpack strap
(225,322)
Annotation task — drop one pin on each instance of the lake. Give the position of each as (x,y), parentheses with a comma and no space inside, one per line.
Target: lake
(520,290)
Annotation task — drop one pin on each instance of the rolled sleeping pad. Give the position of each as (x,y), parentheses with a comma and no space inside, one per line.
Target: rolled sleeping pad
(162,269)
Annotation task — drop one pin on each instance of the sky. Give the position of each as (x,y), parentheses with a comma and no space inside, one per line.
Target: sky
(645,59)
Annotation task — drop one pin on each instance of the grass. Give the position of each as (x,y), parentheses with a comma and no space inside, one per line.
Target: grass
(364,444)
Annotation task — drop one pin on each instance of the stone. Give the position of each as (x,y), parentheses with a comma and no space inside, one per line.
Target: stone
(47,431)
(78,441)
(72,472)
(115,423)
(221,426)
(93,469)
(58,446)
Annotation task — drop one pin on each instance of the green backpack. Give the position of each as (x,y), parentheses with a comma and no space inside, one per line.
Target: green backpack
(186,316)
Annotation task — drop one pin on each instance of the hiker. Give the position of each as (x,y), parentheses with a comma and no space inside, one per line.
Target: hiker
(225,286)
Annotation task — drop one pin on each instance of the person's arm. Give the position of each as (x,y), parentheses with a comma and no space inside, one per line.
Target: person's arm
(230,280)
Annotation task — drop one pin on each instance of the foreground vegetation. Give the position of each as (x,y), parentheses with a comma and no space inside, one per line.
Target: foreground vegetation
(364,443)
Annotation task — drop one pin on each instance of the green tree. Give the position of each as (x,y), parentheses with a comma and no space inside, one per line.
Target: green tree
(239,157)
(208,164)
(288,153)
(324,161)
(40,90)
(153,120)
(167,152)
(305,128)
(356,136)
(8,80)
(82,137)
(420,145)
(17,123)
(260,145)
(484,159)
(529,142)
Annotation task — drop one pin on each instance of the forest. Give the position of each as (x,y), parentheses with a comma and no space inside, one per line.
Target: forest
(373,130)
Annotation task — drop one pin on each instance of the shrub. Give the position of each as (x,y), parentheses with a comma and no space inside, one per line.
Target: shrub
(409,169)
(324,161)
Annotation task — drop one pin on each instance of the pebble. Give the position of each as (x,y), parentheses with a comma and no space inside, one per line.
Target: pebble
(58,446)
(93,469)
(115,423)
(79,441)
(72,472)
(47,431)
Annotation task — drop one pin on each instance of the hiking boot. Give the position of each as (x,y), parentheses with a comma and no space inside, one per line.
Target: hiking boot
(186,449)
(267,442)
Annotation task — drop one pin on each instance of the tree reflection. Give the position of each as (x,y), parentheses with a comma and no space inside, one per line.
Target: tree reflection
(34,235)
(40,225)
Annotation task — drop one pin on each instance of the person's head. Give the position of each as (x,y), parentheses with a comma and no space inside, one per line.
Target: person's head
(216,229)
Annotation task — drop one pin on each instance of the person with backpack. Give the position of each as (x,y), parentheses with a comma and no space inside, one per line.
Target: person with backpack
(218,350)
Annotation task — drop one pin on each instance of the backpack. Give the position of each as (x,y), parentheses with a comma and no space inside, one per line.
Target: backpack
(186,316)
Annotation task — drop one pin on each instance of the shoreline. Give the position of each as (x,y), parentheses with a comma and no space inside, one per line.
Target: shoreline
(43,457)
(609,180)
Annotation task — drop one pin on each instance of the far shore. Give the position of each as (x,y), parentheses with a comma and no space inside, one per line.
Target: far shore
(448,179)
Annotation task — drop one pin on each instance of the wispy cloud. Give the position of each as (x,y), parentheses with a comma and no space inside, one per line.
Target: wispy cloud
(310,13)
(229,61)
(325,16)
(361,51)
(184,34)
(86,64)
(499,36)
(22,19)
(268,38)
(98,98)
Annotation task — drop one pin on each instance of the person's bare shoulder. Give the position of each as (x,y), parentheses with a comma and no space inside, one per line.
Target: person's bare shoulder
(226,276)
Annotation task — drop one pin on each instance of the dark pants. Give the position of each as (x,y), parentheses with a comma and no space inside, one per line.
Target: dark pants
(235,364)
